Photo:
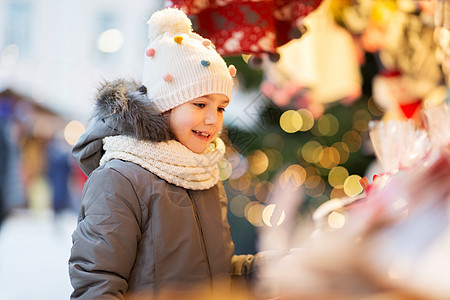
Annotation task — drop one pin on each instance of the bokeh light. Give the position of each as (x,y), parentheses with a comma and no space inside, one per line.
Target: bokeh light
(238,204)
(330,157)
(344,151)
(328,125)
(336,220)
(268,214)
(254,213)
(352,187)
(225,169)
(337,176)
(72,131)
(353,140)
(361,120)
(308,150)
(263,190)
(307,118)
(257,162)
(291,121)
(110,41)
(294,174)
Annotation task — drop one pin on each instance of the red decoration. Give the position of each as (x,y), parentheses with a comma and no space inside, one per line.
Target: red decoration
(251,27)
(410,109)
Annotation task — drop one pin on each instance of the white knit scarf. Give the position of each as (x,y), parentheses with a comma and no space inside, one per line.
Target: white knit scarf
(170,160)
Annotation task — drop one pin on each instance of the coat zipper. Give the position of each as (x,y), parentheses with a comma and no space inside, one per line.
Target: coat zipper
(202,237)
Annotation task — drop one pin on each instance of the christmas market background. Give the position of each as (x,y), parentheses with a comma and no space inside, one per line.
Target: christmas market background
(314,78)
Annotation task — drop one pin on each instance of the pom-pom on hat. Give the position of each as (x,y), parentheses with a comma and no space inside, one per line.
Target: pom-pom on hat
(180,65)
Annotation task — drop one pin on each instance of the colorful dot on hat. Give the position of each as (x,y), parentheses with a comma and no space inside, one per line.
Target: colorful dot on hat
(205,63)
(178,39)
(206,43)
(232,70)
(167,77)
(150,52)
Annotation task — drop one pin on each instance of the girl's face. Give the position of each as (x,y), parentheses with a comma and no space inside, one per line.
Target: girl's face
(197,122)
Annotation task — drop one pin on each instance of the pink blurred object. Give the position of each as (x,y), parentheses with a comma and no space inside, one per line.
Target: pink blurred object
(398,144)
(437,124)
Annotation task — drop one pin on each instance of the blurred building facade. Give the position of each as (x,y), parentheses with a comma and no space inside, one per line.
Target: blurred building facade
(57,51)
(53,55)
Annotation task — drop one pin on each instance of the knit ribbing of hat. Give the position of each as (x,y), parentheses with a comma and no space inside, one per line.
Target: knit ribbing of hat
(171,160)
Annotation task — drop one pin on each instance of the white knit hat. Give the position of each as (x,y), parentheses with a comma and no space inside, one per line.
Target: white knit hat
(180,65)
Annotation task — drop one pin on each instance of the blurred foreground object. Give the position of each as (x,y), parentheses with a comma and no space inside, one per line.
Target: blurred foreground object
(394,240)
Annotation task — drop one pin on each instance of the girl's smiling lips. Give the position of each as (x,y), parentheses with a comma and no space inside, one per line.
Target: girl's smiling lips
(201,134)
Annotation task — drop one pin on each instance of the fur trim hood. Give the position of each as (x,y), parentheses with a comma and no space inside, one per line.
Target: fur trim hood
(121,108)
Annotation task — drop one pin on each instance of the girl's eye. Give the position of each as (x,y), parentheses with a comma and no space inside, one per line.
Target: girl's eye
(221,109)
(199,105)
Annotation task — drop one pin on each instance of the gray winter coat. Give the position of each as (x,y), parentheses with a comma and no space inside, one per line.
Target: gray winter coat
(136,232)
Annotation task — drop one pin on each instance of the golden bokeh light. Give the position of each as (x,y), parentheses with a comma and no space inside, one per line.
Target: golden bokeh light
(338,192)
(308,150)
(315,186)
(238,204)
(267,216)
(328,125)
(361,120)
(344,151)
(225,169)
(263,190)
(294,174)
(72,131)
(353,140)
(330,158)
(254,213)
(257,162)
(307,118)
(291,121)
(337,176)
(352,187)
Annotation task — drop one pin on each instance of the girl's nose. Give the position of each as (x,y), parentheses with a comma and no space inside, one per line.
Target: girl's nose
(211,118)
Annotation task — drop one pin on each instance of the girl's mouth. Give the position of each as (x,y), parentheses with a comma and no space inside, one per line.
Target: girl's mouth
(201,133)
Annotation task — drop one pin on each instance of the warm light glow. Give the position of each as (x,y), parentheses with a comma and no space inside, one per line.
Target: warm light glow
(308,119)
(110,41)
(294,174)
(254,213)
(337,176)
(336,220)
(267,215)
(308,150)
(72,131)
(225,169)
(328,125)
(315,186)
(353,140)
(263,190)
(361,120)
(330,157)
(258,162)
(291,121)
(338,192)
(344,151)
(238,204)
(352,187)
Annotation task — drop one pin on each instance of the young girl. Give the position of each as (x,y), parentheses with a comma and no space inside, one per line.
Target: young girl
(154,213)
